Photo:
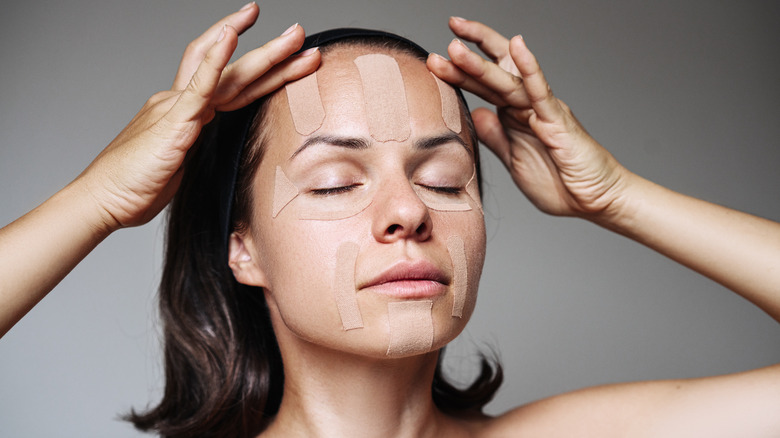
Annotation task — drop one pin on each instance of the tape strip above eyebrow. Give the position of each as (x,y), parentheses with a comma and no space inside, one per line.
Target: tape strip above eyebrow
(411,327)
(344,286)
(284,191)
(457,251)
(450,107)
(384,94)
(303,98)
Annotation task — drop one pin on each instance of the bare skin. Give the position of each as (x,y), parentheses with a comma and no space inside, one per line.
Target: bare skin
(552,159)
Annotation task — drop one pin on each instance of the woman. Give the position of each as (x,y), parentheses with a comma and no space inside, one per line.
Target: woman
(558,166)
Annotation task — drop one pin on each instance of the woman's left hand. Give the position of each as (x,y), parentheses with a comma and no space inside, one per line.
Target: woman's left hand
(550,156)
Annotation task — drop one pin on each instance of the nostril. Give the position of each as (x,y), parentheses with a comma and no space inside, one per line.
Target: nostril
(421,229)
(392,228)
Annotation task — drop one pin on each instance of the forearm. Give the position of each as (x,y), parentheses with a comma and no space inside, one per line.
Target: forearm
(738,250)
(38,250)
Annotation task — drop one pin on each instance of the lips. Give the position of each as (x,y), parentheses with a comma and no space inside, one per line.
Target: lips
(409,279)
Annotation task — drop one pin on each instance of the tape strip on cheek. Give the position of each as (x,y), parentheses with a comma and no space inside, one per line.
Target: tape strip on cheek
(450,108)
(387,112)
(344,286)
(411,327)
(460,279)
(284,191)
(303,98)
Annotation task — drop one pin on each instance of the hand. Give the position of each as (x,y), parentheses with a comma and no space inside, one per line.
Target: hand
(138,173)
(551,158)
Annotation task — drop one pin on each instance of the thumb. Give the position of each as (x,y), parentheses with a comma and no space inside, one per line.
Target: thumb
(491,133)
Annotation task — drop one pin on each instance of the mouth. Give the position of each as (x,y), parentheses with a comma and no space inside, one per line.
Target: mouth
(409,280)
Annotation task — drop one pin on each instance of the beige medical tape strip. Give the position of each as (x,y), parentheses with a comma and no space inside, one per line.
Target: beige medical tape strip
(472,189)
(303,98)
(347,209)
(284,191)
(411,327)
(384,94)
(344,286)
(450,108)
(460,278)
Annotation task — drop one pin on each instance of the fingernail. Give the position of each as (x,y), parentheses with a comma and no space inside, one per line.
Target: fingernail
(247,6)
(290,29)
(459,42)
(458,18)
(222,33)
(436,55)
(309,52)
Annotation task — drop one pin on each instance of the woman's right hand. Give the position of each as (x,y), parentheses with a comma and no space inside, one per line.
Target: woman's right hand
(133,179)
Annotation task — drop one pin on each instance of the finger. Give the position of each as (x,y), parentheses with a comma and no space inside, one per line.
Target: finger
(492,43)
(197,95)
(503,83)
(491,133)
(289,70)
(449,72)
(539,92)
(256,63)
(240,20)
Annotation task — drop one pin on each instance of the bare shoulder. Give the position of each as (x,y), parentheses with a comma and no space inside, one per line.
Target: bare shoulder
(742,404)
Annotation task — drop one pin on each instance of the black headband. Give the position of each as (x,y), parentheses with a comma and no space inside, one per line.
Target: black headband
(233,128)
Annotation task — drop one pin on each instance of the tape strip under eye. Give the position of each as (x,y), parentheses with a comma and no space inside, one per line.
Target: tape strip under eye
(435,202)
(343,207)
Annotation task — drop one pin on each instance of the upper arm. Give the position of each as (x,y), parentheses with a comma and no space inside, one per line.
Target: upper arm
(743,404)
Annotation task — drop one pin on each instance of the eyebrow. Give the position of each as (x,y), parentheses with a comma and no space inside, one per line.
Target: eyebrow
(360,143)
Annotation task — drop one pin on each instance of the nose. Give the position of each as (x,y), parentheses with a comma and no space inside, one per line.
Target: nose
(400,214)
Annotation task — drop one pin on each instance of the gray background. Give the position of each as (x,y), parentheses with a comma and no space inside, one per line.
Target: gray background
(684,93)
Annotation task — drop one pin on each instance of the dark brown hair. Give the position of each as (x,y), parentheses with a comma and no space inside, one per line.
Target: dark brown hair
(223,370)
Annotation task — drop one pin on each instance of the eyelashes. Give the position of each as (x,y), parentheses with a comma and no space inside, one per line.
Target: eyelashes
(444,190)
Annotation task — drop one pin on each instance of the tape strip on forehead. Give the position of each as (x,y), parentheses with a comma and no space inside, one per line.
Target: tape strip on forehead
(460,279)
(344,286)
(387,112)
(411,327)
(303,98)
(450,108)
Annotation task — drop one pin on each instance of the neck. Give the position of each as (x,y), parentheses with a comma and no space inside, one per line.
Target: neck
(330,393)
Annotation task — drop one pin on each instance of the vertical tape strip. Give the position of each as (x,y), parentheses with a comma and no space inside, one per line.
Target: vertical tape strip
(472,189)
(450,108)
(460,278)
(303,98)
(384,93)
(344,286)
(284,191)
(411,327)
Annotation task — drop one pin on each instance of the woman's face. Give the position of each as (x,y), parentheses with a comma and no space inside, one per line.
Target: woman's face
(364,244)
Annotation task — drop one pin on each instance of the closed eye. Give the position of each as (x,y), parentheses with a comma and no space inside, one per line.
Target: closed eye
(442,189)
(334,190)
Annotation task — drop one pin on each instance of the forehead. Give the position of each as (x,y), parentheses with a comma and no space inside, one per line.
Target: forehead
(362,91)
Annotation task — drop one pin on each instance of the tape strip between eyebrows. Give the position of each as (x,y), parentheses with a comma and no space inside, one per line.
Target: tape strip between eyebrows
(411,327)
(303,98)
(344,286)
(457,251)
(384,94)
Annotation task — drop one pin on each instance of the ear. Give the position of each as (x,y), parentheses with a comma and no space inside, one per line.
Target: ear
(245,267)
